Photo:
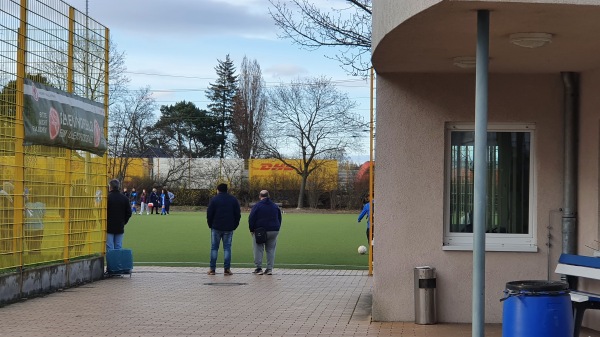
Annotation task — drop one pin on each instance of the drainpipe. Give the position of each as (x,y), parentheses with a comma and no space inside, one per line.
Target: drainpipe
(569,215)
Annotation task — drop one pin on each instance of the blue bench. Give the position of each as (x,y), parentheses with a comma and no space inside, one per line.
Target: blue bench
(580,266)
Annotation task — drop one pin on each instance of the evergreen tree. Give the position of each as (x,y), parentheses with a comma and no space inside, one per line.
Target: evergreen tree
(187,131)
(222,96)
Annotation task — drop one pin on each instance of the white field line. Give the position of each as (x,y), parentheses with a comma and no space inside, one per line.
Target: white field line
(248,264)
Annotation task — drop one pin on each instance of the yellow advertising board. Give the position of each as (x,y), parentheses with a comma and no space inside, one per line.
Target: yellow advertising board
(275,172)
(136,167)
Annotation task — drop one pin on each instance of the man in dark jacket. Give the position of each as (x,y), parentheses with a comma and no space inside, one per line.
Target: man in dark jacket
(118,212)
(223,217)
(267,215)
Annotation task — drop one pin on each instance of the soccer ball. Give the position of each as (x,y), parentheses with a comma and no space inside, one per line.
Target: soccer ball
(150,205)
(362,250)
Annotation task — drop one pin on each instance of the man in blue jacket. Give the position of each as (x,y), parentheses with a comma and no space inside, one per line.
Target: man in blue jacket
(223,217)
(267,215)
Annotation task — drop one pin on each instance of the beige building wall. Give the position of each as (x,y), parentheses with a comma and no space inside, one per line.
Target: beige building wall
(412,111)
(588,171)
(388,14)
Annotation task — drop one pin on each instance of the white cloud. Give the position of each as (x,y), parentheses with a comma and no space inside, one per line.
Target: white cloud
(285,70)
(182,19)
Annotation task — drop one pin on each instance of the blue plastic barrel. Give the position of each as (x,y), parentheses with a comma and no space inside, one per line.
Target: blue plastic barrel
(537,308)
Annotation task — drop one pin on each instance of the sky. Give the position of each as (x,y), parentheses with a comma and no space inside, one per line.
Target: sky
(173,46)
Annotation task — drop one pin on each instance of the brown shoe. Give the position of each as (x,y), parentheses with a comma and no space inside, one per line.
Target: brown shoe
(228,272)
(211,272)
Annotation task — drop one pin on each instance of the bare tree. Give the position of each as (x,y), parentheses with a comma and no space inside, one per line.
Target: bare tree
(88,68)
(319,183)
(117,78)
(249,110)
(312,27)
(307,120)
(173,172)
(129,121)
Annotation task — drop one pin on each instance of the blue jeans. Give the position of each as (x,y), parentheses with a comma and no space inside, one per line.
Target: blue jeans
(114,241)
(215,240)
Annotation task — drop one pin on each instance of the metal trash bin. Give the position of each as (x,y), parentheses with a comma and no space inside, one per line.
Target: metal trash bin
(425,283)
(537,308)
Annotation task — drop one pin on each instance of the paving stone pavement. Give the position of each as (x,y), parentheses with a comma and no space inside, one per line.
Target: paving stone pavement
(184,301)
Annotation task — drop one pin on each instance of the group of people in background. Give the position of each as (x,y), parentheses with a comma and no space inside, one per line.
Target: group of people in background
(150,203)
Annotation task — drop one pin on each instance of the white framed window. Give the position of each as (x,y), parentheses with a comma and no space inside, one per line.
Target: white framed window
(510,208)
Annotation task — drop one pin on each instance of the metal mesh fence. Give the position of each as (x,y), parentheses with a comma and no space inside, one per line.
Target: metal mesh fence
(52,199)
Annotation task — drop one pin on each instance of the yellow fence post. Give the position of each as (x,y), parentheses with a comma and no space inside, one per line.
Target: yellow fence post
(371,174)
(106,94)
(67,181)
(19,201)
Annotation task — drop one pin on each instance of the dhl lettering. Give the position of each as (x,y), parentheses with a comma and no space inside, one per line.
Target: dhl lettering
(275,167)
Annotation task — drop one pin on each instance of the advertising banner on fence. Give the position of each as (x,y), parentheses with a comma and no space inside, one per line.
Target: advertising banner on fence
(53,117)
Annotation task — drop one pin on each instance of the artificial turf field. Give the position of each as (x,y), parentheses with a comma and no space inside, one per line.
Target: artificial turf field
(306,240)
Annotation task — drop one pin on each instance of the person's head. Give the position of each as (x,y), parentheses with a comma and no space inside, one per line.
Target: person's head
(8,187)
(124,189)
(222,188)
(114,185)
(133,189)
(263,194)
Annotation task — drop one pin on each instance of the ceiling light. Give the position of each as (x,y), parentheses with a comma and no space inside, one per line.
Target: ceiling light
(465,62)
(530,40)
